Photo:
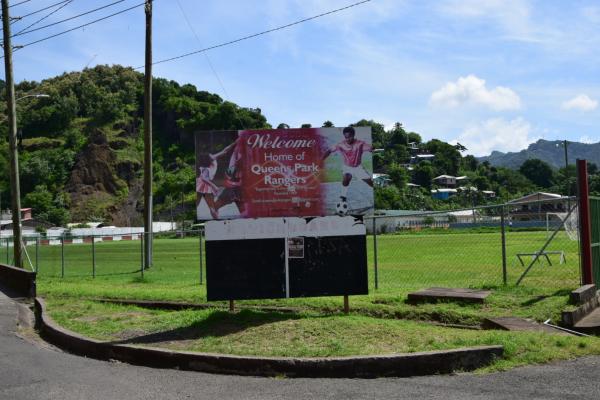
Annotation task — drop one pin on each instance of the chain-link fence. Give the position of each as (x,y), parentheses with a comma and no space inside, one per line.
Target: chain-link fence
(531,244)
(179,253)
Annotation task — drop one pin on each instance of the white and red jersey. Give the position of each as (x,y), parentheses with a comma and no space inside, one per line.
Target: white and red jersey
(204,183)
(234,180)
(352,152)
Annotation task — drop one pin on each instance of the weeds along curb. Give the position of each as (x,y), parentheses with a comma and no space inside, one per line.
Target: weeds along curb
(399,365)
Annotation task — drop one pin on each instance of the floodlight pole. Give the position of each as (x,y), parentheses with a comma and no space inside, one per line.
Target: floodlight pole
(148,139)
(12,135)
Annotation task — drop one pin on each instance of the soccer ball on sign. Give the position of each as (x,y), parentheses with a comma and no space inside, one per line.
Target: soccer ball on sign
(341,208)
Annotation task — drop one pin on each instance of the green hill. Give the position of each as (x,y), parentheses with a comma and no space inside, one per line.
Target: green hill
(81,149)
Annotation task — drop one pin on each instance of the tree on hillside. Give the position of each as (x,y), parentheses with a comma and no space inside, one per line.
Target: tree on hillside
(46,208)
(538,172)
(469,163)
(398,175)
(387,198)
(423,174)
(507,182)
(377,131)
(328,124)
(447,157)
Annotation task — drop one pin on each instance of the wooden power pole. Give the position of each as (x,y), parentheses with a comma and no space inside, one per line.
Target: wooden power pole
(12,136)
(148,140)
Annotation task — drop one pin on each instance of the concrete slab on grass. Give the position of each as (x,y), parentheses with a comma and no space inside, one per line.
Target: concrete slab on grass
(457,294)
(519,324)
(590,323)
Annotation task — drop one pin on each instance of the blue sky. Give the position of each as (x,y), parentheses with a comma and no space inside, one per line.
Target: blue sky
(491,74)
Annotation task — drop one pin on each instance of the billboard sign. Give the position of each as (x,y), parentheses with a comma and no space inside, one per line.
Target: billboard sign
(284,173)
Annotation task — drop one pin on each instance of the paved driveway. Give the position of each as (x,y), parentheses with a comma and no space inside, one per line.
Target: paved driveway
(32,371)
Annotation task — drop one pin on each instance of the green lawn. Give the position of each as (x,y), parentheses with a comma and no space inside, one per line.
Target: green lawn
(302,334)
(381,322)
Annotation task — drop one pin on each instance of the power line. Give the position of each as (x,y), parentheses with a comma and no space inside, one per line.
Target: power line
(44,17)
(68,19)
(42,9)
(257,34)
(24,1)
(214,71)
(78,27)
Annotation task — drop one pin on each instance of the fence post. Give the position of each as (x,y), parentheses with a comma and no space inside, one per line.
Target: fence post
(503,235)
(142,253)
(375,253)
(93,256)
(200,236)
(62,256)
(585,230)
(7,250)
(37,254)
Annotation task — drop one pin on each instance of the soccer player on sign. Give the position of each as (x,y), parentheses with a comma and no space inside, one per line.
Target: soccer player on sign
(351,150)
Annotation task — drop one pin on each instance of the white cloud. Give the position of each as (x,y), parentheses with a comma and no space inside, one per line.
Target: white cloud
(580,102)
(472,90)
(496,134)
(588,140)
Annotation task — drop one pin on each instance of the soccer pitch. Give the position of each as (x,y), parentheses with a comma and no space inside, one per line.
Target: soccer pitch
(404,262)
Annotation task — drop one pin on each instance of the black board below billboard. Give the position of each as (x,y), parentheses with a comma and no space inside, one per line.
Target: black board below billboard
(245,269)
(285,257)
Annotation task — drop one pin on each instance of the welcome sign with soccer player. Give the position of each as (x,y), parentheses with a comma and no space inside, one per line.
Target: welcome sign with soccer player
(284,173)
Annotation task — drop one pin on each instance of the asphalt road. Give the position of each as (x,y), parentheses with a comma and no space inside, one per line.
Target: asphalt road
(30,370)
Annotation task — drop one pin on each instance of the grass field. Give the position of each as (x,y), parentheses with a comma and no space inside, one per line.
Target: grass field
(381,322)
(406,262)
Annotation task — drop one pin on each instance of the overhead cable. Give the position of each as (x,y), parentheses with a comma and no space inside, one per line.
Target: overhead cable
(43,9)
(17,4)
(70,18)
(44,17)
(78,27)
(216,46)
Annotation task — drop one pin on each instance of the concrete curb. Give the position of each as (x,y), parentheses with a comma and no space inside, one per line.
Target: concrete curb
(20,282)
(398,365)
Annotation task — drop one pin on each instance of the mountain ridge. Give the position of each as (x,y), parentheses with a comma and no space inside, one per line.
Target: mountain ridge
(549,151)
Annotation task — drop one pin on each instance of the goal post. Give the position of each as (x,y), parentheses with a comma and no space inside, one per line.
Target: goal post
(571,223)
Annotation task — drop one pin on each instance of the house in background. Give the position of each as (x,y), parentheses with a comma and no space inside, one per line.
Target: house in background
(421,157)
(443,193)
(381,180)
(6,218)
(535,206)
(447,181)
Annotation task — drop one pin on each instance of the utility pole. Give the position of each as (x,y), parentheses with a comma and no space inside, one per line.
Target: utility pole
(12,135)
(567,176)
(148,139)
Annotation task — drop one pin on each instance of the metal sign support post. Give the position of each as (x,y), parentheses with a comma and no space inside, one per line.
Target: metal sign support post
(287,265)
(62,257)
(93,256)
(200,251)
(375,252)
